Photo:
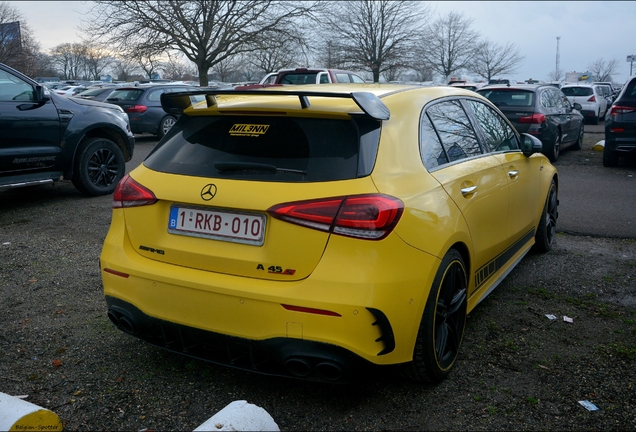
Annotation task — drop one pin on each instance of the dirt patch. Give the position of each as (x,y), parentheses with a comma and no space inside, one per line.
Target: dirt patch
(517,368)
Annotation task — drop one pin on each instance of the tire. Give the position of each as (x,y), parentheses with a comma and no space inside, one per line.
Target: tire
(166,123)
(99,165)
(595,118)
(610,158)
(442,327)
(578,144)
(546,230)
(555,148)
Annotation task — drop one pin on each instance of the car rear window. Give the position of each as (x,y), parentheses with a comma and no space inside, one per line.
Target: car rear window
(577,91)
(299,78)
(126,94)
(505,97)
(272,148)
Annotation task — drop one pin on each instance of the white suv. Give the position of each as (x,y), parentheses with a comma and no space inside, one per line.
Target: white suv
(591,97)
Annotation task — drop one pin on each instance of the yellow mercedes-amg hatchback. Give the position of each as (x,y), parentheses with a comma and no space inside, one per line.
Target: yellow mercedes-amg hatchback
(318,232)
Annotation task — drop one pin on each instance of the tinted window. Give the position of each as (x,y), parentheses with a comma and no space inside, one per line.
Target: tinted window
(299,78)
(155,95)
(270,148)
(431,150)
(630,91)
(454,130)
(577,91)
(502,97)
(126,94)
(342,77)
(499,135)
(13,88)
(356,79)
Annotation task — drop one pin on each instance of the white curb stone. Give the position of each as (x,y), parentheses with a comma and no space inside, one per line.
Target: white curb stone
(240,416)
(19,415)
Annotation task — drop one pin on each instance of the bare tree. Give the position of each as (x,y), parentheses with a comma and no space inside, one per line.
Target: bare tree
(175,68)
(450,44)
(492,59)
(97,61)
(70,59)
(205,31)
(125,69)
(557,75)
(374,36)
(602,70)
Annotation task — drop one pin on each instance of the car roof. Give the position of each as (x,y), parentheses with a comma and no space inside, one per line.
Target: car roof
(530,87)
(579,85)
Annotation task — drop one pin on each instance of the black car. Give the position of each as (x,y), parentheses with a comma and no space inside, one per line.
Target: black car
(542,111)
(142,103)
(620,126)
(45,138)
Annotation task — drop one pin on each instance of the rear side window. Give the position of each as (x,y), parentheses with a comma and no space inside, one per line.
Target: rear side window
(126,94)
(454,130)
(630,91)
(503,98)
(270,148)
(577,91)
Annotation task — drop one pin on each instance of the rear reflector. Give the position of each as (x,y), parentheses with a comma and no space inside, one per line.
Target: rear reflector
(535,119)
(370,217)
(129,193)
(310,310)
(116,273)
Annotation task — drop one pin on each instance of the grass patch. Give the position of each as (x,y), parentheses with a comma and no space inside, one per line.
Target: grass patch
(542,293)
(619,350)
(532,400)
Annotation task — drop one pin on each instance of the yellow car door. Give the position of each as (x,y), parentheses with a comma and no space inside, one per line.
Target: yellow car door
(475,182)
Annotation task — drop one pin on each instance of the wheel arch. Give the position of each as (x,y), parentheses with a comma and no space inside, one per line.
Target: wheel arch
(99,132)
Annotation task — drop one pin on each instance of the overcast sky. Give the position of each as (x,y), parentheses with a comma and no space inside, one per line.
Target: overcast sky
(589,30)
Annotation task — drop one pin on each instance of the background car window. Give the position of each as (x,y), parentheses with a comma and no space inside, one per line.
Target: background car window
(14,89)
(342,77)
(454,129)
(126,95)
(498,133)
(356,79)
(324,79)
(556,98)
(509,97)
(577,91)
(546,100)
(155,95)
(431,150)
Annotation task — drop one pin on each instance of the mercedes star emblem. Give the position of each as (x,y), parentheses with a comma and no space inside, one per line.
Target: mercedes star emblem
(208,192)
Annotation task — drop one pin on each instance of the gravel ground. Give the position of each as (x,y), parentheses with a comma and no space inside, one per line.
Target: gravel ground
(517,368)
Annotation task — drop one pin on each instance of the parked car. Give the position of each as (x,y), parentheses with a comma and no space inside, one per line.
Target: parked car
(98,94)
(69,90)
(305,76)
(45,137)
(540,110)
(591,98)
(142,103)
(620,126)
(314,231)
(467,85)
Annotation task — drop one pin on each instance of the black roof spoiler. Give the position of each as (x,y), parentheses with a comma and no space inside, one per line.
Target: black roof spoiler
(176,103)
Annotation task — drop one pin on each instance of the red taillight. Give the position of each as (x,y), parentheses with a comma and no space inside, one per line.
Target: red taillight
(592,99)
(618,109)
(129,193)
(370,217)
(137,109)
(534,118)
(617,130)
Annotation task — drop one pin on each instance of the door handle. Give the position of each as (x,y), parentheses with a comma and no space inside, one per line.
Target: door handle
(513,173)
(469,190)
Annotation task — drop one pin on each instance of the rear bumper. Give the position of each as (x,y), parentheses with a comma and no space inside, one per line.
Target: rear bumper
(279,356)
(374,296)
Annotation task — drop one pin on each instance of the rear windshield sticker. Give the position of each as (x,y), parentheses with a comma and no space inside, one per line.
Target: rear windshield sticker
(253,130)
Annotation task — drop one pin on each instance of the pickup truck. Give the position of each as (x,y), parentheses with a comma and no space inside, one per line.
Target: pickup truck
(305,76)
(45,138)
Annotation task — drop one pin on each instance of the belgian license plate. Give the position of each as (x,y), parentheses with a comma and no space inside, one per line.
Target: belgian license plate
(247,228)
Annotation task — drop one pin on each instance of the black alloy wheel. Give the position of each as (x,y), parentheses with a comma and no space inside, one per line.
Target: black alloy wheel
(546,230)
(442,327)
